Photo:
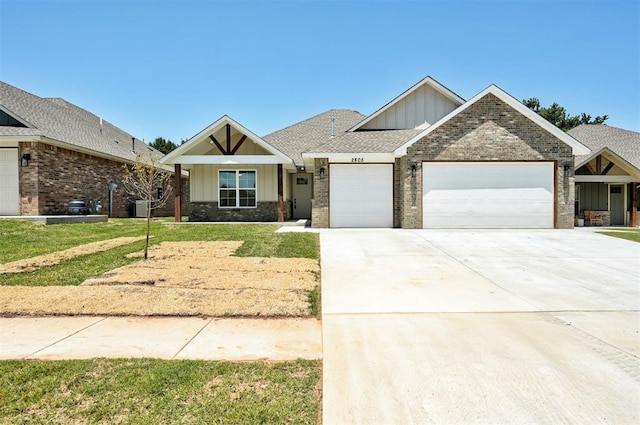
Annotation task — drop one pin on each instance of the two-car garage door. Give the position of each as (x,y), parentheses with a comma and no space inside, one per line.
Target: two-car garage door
(483,195)
(9,193)
(488,194)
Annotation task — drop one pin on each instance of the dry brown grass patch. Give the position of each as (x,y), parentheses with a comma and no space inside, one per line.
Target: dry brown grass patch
(34,263)
(180,279)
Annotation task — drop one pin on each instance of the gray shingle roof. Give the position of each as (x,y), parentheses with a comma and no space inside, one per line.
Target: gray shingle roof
(624,143)
(19,131)
(62,121)
(307,134)
(380,141)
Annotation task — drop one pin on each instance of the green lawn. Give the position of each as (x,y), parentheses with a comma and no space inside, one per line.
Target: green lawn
(625,233)
(21,239)
(148,391)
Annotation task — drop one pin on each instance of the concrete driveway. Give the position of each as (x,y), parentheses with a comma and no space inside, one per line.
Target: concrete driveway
(454,327)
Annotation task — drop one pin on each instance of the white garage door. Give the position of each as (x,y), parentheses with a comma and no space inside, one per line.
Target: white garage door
(488,195)
(361,195)
(9,194)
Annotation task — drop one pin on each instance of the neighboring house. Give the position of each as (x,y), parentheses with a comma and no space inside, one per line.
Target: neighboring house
(608,179)
(53,152)
(427,159)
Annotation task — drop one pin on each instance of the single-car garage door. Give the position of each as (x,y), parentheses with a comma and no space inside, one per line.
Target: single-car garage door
(488,195)
(9,194)
(361,195)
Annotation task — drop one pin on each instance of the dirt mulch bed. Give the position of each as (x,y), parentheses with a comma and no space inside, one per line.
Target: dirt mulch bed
(180,279)
(123,300)
(34,263)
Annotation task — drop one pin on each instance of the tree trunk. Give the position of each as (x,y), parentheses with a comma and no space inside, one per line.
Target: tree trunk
(146,243)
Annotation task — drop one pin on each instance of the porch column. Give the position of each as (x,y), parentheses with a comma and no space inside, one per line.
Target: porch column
(280,195)
(177,176)
(633,219)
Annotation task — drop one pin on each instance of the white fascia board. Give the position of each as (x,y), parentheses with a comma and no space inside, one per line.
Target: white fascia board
(427,80)
(355,157)
(577,147)
(17,139)
(233,159)
(604,179)
(171,157)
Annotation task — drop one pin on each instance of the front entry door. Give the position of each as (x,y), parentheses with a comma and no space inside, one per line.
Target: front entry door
(617,204)
(302,195)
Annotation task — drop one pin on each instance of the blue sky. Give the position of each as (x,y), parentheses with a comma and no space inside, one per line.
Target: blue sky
(170,68)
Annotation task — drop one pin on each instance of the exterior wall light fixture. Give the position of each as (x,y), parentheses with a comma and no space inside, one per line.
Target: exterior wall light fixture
(322,173)
(414,169)
(26,157)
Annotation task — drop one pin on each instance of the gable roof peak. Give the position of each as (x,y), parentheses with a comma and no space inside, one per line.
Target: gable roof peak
(577,147)
(429,81)
(224,120)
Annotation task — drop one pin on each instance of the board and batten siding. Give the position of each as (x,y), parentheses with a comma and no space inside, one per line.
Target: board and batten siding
(204,182)
(423,105)
(594,196)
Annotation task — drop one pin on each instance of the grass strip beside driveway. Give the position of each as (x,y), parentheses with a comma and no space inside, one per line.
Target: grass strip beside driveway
(149,391)
(624,233)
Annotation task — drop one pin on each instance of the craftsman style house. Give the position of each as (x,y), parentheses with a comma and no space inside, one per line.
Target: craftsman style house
(426,159)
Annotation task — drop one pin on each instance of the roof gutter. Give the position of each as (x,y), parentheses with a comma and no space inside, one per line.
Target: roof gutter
(91,152)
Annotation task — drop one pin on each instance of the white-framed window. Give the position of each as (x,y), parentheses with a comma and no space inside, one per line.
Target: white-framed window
(237,188)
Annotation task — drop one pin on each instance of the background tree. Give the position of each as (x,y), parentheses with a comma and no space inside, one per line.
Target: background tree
(145,180)
(558,116)
(163,145)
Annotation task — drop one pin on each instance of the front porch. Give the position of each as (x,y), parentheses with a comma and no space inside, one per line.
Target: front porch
(607,192)
(235,176)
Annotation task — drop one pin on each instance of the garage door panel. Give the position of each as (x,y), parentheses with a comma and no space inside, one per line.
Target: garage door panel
(361,195)
(488,195)
(9,193)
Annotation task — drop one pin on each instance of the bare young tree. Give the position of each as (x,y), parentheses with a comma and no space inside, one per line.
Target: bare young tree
(145,180)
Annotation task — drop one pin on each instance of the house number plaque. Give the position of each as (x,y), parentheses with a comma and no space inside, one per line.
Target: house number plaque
(357,160)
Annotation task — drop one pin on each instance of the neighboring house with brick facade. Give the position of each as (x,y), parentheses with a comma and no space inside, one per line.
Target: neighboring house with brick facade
(53,152)
(427,159)
(608,179)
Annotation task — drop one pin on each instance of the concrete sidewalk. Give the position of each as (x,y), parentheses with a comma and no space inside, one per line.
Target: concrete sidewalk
(82,337)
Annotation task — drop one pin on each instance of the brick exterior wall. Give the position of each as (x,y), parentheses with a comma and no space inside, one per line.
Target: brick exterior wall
(57,175)
(398,188)
(320,201)
(265,211)
(489,130)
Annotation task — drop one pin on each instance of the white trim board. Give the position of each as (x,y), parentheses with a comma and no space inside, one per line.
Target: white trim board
(604,179)
(230,159)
